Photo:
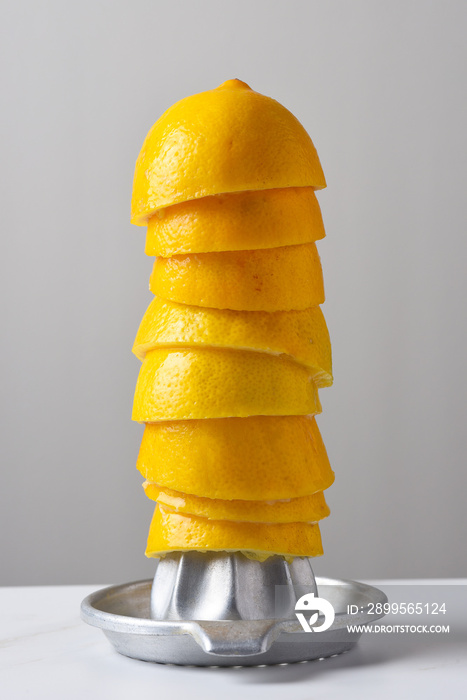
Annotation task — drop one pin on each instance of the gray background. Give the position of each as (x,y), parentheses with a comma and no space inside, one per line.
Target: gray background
(380,86)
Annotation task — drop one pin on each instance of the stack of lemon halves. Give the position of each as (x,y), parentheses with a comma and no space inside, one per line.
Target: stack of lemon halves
(234,345)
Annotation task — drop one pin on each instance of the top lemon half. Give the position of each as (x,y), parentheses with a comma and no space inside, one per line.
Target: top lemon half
(229,139)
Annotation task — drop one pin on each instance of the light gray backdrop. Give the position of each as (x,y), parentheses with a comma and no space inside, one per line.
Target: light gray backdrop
(380,86)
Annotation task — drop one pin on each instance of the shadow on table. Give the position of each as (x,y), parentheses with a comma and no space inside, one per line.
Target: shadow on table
(367,653)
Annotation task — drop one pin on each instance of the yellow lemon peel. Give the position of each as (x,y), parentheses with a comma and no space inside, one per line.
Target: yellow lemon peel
(238,221)
(217,383)
(305,509)
(254,459)
(229,139)
(171,531)
(274,279)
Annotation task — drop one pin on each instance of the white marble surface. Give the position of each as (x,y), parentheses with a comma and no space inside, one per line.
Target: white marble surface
(47,652)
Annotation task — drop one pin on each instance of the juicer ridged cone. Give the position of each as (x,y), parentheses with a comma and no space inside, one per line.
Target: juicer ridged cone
(228,586)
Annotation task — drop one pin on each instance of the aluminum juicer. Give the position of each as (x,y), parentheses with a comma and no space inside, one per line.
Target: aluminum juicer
(224,609)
